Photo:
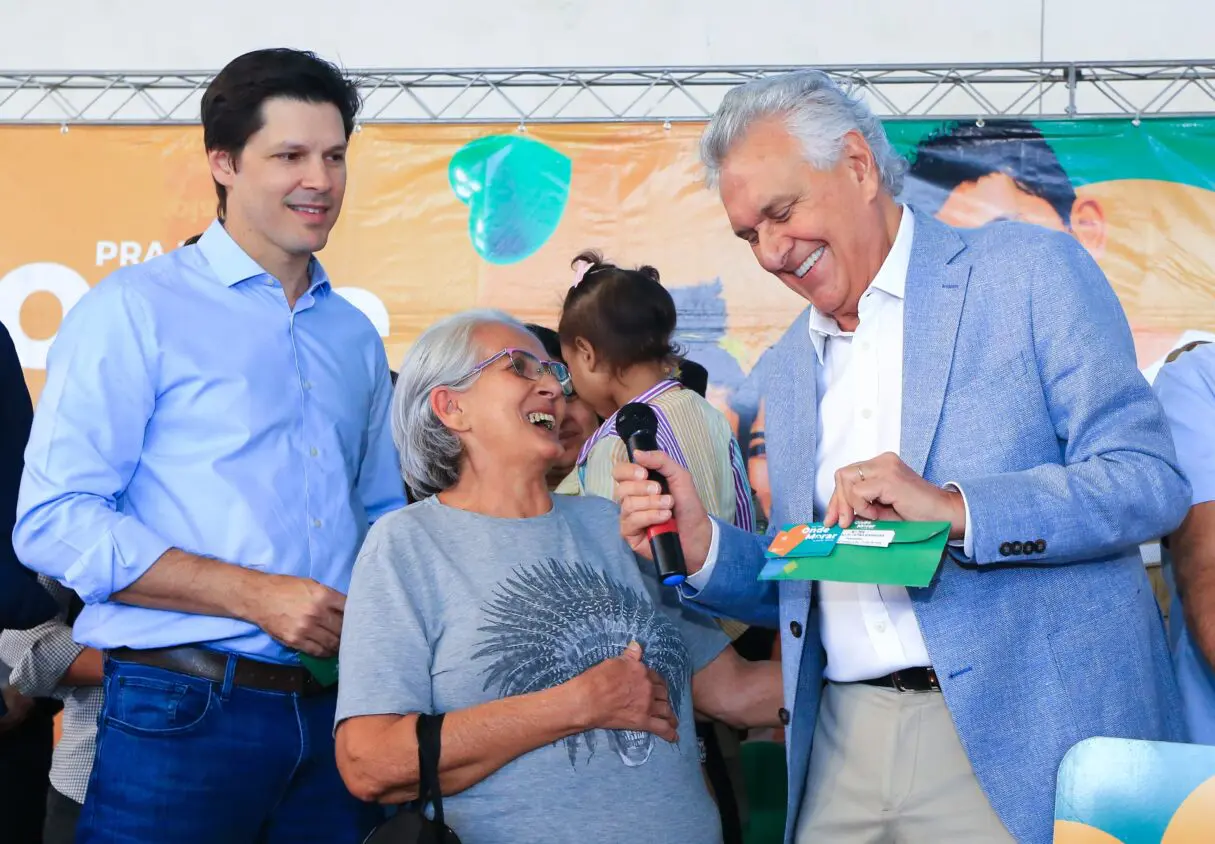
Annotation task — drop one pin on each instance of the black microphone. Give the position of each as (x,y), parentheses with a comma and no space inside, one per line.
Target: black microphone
(637,425)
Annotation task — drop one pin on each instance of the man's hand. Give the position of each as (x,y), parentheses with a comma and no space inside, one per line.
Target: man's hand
(297,611)
(885,489)
(300,613)
(642,506)
(19,707)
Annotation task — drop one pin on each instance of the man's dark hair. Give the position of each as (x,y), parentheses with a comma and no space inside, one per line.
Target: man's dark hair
(693,376)
(549,339)
(966,152)
(232,105)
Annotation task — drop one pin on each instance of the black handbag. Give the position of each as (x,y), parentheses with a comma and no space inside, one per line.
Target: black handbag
(410,824)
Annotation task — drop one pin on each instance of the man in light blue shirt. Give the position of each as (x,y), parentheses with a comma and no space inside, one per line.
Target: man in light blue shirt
(212,444)
(1186,387)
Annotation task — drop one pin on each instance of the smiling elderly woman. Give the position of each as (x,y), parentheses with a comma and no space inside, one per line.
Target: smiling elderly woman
(514,612)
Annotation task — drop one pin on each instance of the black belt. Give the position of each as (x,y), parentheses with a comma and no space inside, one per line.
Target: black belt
(908,680)
(213,665)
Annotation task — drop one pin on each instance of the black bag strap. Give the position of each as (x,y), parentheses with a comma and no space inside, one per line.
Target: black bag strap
(430,745)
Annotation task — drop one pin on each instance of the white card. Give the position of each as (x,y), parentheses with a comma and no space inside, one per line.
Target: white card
(868,538)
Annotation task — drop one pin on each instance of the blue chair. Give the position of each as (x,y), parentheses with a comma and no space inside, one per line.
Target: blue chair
(1122,791)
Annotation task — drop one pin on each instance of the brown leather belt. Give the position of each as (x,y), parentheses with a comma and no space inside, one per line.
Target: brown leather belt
(908,680)
(213,665)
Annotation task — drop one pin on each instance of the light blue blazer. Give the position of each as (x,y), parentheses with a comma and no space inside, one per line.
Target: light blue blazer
(1020,383)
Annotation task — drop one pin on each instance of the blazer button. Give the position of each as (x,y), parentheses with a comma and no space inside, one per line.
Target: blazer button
(1040,546)
(1030,548)
(1005,549)
(784,716)
(1016,547)
(795,629)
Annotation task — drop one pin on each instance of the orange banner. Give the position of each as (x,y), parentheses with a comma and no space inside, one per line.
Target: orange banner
(82,202)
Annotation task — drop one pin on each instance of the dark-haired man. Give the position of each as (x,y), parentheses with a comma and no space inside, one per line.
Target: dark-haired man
(970,174)
(210,447)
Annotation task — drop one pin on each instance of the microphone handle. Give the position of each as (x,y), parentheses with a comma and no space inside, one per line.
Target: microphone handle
(664,538)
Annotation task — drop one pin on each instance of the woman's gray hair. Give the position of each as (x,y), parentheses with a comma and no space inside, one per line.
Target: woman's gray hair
(819,114)
(442,354)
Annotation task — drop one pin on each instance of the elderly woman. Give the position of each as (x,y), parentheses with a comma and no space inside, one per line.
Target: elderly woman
(563,671)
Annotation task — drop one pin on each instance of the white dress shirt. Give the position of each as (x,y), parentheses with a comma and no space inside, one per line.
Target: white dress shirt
(868,631)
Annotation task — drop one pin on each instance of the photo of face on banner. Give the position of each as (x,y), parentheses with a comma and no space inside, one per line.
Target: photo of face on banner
(1138,195)
(969,174)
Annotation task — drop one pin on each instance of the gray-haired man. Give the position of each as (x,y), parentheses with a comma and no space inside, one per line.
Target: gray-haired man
(984,378)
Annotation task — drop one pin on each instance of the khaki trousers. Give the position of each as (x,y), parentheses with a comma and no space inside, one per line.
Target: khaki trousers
(887,767)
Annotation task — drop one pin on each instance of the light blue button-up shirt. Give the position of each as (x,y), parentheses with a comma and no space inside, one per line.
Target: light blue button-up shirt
(188,406)
(1186,388)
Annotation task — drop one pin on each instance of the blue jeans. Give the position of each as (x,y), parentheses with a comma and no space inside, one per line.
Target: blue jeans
(192,761)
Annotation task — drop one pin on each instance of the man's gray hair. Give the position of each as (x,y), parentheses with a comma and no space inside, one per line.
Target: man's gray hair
(818,113)
(442,354)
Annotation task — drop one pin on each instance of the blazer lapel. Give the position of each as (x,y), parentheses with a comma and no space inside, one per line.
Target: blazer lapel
(791,429)
(791,398)
(936,288)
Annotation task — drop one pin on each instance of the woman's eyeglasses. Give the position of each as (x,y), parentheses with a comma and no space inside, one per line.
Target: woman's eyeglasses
(526,365)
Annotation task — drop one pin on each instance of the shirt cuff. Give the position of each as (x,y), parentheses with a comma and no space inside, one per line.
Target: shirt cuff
(700,579)
(133,549)
(967,542)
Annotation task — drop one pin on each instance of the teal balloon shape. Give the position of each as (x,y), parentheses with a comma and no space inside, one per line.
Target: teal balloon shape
(516,190)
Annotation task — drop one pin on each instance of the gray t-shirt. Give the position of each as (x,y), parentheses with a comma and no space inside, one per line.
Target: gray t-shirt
(449,609)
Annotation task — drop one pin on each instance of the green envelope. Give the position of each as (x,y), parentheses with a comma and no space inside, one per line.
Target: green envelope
(911,559)
(324,670)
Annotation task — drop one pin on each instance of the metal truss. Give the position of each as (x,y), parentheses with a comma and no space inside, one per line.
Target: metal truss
(632,95)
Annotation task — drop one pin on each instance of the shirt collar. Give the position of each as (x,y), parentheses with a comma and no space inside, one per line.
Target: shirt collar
(232,265)
(891,279)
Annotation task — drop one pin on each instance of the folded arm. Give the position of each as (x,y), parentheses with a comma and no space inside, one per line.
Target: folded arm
(86,443)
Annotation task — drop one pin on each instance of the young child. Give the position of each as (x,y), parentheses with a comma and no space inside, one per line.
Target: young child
(616,334)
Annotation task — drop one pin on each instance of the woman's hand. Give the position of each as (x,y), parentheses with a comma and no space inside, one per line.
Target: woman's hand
(622,693)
